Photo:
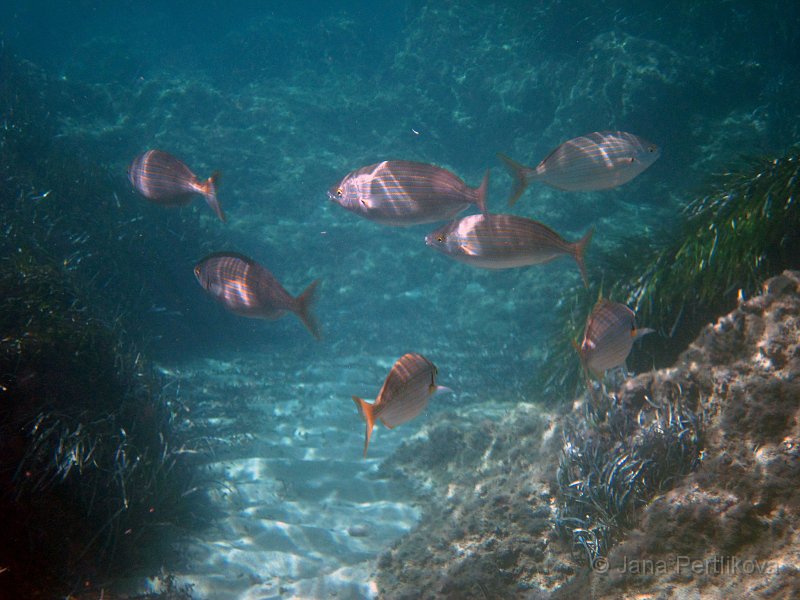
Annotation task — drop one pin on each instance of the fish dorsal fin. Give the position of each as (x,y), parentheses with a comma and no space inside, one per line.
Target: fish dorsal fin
(397,377)
(601,302)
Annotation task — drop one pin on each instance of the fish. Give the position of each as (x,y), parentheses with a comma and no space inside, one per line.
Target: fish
(598,161)
(405,393)
(248,289)
(498,241)
(608,337)
(166,180)
(402,193)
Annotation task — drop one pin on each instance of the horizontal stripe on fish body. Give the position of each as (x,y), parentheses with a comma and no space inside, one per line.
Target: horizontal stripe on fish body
(609,336)
(248,289)
(597,161)
(403,193)
(504,242)
(166,180)
(403,396)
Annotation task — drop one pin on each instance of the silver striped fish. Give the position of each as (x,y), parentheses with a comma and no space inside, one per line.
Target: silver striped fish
(164,179)
(598,161)
(608,337)
(405,393)
(247,289)
(403,193)
(505,241)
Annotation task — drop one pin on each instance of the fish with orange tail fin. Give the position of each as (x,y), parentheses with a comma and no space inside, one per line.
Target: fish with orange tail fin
(248,289)
(166,180)
(405,393)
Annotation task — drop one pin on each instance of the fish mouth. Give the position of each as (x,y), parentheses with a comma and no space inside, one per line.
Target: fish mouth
(429,239)
(332,196)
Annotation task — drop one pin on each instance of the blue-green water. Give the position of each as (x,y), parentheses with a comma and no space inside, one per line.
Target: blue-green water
(286,99)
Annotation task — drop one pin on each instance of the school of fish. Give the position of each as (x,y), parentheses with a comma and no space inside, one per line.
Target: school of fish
(401,193)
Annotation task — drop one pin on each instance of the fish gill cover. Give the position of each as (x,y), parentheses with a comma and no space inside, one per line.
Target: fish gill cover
(286,100)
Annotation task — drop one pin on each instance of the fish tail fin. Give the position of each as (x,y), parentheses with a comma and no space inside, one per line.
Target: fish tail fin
(305,302)
(209,188)
(580,249)
(480,196)
(521,175)
(367,412)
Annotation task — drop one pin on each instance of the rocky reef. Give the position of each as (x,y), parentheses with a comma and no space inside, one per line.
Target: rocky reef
(494,525)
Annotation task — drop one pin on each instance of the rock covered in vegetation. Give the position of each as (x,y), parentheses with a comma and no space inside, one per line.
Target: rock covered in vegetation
(728,529)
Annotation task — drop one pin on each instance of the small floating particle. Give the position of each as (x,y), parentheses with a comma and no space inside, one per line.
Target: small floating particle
(358,530)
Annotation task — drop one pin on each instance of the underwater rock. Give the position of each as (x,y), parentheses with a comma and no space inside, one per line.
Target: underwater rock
(486,530)
(730,529)
(727,529)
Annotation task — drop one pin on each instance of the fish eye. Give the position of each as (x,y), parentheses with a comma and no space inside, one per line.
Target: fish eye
(651,149)
(339,192)
(440,238)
